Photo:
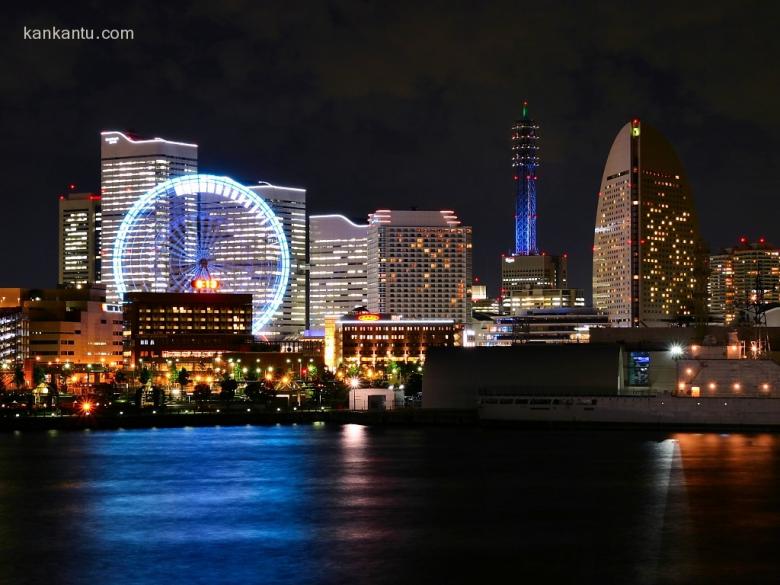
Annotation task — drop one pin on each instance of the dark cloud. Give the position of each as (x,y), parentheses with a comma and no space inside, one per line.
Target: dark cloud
(371,104)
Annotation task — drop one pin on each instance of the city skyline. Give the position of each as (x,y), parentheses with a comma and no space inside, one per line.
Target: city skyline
(479,270)
(357,291)
(437,130)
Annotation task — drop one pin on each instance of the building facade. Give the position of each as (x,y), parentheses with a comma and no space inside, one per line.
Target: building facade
(648,261)
(64,325)
(419,265)
(516,302)
(79,238)
(549,325)
(131,166)
(163,325)
(536,282)
(289,206)
(375,340)
(745,275)
(14,336)
(338,267)
(536,271)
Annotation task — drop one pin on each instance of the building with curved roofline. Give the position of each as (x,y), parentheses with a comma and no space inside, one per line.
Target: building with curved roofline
(648,256)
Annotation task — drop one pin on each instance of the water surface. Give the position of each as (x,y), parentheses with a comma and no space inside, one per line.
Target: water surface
(340,504)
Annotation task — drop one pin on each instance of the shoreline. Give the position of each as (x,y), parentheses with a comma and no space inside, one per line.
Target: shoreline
(398,418)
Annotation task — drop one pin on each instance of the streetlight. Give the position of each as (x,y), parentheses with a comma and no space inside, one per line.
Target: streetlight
(676,351)
(354,383)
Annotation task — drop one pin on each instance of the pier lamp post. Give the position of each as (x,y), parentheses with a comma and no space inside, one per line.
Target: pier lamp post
(676,351)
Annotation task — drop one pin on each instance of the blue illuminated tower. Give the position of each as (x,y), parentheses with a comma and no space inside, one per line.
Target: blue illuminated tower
(525,161)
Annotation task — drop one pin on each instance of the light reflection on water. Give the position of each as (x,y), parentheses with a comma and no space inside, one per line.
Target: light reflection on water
(330,504)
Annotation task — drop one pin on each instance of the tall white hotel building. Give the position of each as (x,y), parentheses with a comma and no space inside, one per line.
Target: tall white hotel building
(338,271)
(289,205)
(419,265)
(131,166)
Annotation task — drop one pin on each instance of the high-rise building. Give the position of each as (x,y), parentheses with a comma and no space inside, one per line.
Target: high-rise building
(338,271)
(80,236)
(525,162)
(289,206)
(419,265)
(648,262)
(743,276)
(478,291)
(131,166)
(539,281)
(537,271)
(720,287)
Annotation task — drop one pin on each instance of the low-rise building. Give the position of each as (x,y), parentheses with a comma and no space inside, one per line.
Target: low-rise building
(373,339)
(162,325)
(550,325)
(669,363)
(63,325)
(208,334)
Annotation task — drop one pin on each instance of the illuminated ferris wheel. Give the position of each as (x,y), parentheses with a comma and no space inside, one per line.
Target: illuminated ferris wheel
(203,233)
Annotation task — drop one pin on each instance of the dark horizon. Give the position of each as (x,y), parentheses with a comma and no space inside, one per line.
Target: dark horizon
(369,106)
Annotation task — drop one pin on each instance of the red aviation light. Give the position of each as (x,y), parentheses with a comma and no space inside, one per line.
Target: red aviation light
(762,240)
(743,240)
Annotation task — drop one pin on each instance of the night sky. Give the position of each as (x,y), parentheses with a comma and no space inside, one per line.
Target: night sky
(389,105)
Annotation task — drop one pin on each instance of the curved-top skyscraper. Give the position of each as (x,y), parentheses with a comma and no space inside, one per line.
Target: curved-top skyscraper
(647,251)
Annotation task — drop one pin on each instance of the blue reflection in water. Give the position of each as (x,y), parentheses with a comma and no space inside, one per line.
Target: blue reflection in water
(331,504)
